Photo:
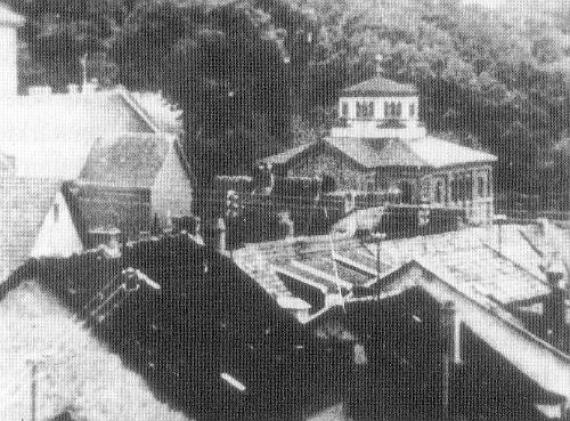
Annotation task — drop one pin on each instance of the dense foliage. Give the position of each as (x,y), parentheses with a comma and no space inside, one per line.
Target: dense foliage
(256,76)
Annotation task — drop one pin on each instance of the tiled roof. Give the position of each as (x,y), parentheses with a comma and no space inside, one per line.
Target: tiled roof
(104,207)
(372,153)
(471,258)
(126,161)
(24,205)
(51,135)
(439,153)
(379,86)
(286,156)
(75,370)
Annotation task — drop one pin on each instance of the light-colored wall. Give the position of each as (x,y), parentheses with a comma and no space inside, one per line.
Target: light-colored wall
(172,192)
(379,106)
(368,127)
(58,236)
(8,61)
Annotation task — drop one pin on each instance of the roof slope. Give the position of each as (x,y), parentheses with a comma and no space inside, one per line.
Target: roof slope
(440,153)
(95,207)
(379,86)
(470,255)
(76,372)
(371,153)
(24,205)
(50,135)
(126,161)
(548,367)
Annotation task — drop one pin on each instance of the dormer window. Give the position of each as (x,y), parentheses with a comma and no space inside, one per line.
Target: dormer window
(364,109)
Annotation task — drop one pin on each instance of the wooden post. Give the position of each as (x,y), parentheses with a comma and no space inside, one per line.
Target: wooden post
(33,392)
(449,353)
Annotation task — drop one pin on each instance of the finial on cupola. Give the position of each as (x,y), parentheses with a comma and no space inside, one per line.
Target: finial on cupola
(379,58)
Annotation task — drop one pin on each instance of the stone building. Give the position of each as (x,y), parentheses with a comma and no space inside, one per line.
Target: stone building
(380,144)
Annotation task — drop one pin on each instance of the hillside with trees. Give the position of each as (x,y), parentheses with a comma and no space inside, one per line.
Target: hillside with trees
(256,76)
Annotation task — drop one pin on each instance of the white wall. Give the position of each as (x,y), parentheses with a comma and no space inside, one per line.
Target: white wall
(379,106)
(58,236)
(8,61)
(172,191)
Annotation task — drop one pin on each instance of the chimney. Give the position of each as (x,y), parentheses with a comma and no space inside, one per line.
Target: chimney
(379,58)
(73,89)
(287,224)
(220,236)
(9,24)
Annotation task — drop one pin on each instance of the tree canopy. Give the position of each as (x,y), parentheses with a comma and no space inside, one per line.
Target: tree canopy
(256,76)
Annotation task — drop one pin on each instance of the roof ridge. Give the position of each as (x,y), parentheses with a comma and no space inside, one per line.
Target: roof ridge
(138,108)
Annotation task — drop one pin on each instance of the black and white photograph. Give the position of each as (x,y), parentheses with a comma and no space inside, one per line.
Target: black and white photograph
(284,210)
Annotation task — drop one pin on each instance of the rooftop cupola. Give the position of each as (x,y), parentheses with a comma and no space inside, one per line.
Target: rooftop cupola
(9,23)
(379,108)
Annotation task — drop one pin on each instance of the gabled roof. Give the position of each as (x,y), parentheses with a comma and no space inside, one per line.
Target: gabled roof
(370,153)
(50,135)
(84,374)
(545,365)
(24,205)
(313,265)
(132,160)
(10,18)
(101,208)
(379,86)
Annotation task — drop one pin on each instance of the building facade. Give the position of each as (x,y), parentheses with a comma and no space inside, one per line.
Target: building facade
(380,144)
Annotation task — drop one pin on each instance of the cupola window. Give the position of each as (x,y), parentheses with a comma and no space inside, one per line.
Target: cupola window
(364,109)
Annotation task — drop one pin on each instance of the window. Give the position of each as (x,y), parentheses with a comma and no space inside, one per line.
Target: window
(454,190)
(345,109)
(469,187)
(392,109)
(364,109)
(412,110)
(481,186)
(489,183)
(438,191)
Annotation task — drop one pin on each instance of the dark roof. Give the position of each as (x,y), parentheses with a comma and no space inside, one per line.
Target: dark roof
(85,375)
(23,208)
(379,86)
(99,208)
(284,157)
(126,161)
(372,153)
(470,258)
